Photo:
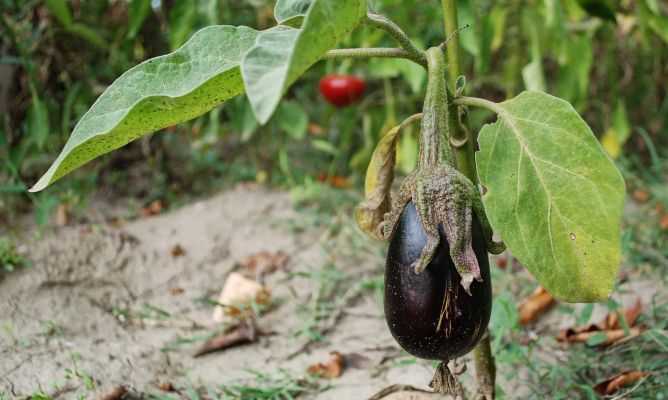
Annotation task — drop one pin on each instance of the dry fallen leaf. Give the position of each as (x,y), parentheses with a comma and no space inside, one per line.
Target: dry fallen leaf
(641,195)
(154,208)
(631,314)
(62,215)
(333,368)
(166,387)
(663,223)
(612,385)
(116,393)
(239,293)
(315,129)
(244,333)
(535,305)
(339,182)
(175,291)
(609,331)
(265,262)
(177,251)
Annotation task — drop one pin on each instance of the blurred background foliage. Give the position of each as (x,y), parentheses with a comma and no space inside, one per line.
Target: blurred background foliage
(609,58)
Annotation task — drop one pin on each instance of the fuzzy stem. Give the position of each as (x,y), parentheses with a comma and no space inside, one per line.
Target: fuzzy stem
(485,369)
(384,23)
(460,137)
(369,52)
(451,26)
(434,147)
(478,102)
(484,361)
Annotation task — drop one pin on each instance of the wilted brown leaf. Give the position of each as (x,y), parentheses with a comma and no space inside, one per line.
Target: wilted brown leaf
(244,333)
(612,385)
(333,368)
(535,305)
(610,326)
(264,262)
(370,213)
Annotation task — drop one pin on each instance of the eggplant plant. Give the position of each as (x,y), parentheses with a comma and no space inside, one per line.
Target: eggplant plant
(537,177)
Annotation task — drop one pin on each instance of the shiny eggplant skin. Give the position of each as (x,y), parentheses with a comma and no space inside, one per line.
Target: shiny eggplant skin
(413,302)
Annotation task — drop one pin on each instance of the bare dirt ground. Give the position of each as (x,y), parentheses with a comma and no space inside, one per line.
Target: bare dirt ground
(103,306)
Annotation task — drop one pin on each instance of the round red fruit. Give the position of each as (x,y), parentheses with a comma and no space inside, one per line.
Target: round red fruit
(342,90)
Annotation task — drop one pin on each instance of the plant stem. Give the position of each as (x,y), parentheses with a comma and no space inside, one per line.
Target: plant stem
(434,147)
(450,26)
(464,148)
(460,138)
(478,102)
(369,52)
(485,369)
(384,23)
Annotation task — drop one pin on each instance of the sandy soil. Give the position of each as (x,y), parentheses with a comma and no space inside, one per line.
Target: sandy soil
(83,315)
(103,306)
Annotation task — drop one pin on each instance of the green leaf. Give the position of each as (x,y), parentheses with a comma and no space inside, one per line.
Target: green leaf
(61,11)
(597,339)
(533,77)
(37,122)
(292,119)
(614,138)
(325,147)
(573,83)
(291,12)
(282,54)
(604,9)
(553,195)
(88,34)
(182,18)
(158,93)
(650,16)
(137,11)
(414,74)
(241,117)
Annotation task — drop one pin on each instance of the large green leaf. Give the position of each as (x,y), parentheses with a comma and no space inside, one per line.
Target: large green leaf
(291,12)
(158,93)
(282,54)
(553,195)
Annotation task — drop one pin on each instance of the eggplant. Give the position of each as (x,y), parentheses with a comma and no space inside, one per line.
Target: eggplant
(430,314)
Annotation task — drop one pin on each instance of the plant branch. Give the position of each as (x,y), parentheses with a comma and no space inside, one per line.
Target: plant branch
(384,23)
(369,52)
(478,102)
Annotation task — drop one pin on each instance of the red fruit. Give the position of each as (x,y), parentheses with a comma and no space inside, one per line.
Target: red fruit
(342,90)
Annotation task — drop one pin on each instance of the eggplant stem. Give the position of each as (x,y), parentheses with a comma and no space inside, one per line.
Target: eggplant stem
(444,382)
